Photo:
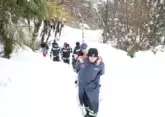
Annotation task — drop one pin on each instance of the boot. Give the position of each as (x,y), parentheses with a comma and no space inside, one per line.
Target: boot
(86,116)
(87,113)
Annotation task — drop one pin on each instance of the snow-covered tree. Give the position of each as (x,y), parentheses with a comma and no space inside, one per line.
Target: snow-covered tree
(133,24)
(16,15)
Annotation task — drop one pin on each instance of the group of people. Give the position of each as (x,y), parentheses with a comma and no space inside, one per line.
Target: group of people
(65,52)
(89,66)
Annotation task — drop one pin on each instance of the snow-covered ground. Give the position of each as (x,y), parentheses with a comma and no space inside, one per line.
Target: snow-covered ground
(34,86)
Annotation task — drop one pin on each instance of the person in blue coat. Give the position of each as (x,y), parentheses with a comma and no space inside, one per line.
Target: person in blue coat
(89,70)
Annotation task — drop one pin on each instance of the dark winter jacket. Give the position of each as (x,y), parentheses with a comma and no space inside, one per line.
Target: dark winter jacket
(89,73)
(55,50)
(76,50)
(65,52)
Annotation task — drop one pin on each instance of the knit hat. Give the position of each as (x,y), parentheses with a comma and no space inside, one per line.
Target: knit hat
(83,46)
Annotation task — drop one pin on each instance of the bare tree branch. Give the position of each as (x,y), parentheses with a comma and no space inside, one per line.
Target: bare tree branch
(60,2)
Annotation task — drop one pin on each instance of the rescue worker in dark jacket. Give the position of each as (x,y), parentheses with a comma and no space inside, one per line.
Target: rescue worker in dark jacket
(65,53)
(89,70)
(55,51)
(75,54)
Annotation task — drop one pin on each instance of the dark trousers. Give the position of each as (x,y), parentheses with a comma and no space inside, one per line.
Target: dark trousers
(66,60)
(56,58)
(73,63)
(90,100)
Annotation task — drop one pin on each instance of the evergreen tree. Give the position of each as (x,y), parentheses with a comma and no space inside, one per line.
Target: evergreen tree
(13,13)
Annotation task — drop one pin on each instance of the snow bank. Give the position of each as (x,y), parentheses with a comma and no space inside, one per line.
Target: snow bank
(38,88)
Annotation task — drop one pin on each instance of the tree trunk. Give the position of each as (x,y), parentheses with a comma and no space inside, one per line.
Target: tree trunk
(35,33)
(105,36)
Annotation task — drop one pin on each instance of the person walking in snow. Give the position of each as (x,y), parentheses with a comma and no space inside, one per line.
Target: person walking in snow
(59,27)
(65,53)
(82,52)
(89,70)
(75,54)
(55,51)
(45,48)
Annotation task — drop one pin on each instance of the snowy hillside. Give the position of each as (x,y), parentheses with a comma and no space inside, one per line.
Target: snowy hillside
(34,86)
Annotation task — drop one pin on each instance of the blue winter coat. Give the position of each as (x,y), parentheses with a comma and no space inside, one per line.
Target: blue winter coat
(89,74)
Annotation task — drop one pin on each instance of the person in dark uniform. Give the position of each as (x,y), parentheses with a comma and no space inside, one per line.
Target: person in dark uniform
(65,53)
(55,51)
(75,54)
